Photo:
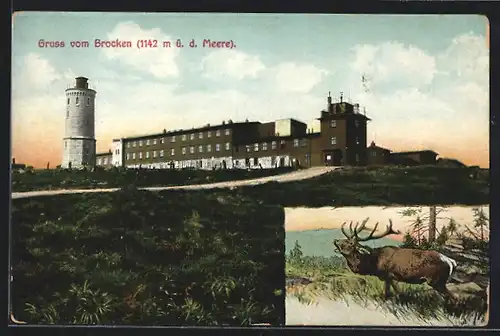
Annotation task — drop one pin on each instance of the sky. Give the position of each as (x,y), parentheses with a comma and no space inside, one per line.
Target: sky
(423,80)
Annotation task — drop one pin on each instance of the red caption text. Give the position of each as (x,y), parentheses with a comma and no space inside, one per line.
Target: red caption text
(139,44)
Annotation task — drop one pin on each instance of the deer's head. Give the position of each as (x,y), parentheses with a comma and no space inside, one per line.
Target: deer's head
(351,244)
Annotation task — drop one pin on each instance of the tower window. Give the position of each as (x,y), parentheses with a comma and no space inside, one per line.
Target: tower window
(76,101)
(68,101)
(88,101)
(333,140)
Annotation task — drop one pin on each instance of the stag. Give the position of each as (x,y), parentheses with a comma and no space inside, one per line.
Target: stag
(390,263)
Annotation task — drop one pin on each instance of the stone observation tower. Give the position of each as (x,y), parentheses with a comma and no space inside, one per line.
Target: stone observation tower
(79,138)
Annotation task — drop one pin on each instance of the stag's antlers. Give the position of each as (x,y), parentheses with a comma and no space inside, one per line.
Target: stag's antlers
(354,233)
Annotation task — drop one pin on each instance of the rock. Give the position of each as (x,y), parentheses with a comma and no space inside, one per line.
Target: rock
(294,281)
(468,288)
(468,269)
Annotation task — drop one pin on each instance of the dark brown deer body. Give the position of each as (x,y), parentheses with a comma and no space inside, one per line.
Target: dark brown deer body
(390,263)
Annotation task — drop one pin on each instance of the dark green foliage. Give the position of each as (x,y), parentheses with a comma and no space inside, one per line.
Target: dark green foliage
(145,258)
(429,185)
(119,177)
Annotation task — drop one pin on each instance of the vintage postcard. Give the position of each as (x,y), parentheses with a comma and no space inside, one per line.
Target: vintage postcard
(197,169)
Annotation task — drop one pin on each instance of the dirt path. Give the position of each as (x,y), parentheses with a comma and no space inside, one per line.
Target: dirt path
(293,176)
(327,312)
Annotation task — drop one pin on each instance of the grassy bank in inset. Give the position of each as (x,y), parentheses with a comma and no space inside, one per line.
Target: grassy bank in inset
(389,185)
(311,279)
(147,258)
(31,180)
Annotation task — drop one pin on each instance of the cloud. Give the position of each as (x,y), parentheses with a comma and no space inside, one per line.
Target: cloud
(299,78)
(37,73)
(467,58)
(440,101)
(393,63)
(223,64)
(160,62)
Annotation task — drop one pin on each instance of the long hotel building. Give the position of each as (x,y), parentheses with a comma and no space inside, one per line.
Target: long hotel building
(342,140)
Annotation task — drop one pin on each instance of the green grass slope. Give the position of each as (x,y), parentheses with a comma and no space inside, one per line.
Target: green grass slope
(144,258)
(389,185)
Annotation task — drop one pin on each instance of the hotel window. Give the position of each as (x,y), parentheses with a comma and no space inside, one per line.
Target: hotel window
(255,161)
(256,147)
(128,144)
(200,149)
(133,156)
(147,155)
(154,154)
(184,137)
(134,144)
(162,153)
(147,142)
(172,139)
(357,140)
(264,146)
(227,131)
(184,150)
(191,136)
(217,147)
(209,134)
(248,148)
(228,146)
(128,156)
(217,133)
(333,123)
(162,140)
(333,140)
(191,149)
(172,151)
(209,148)
(356,123)
(76,100)
(357,158)
(282,144)
(200,135)
(140,155)
(140,143)
(304,142)
(154,141)
(99,161)
(273,145)
(295,142)
(104,160)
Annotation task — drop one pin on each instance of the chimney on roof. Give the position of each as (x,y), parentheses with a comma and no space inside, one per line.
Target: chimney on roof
(13,160)
(223,122)
(329,105)
(229,121)
(372,144)
(341,97)
(164,131)
(246,120)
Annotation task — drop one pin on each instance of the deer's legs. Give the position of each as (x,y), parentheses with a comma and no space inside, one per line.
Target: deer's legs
(387,288)
(394,287)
